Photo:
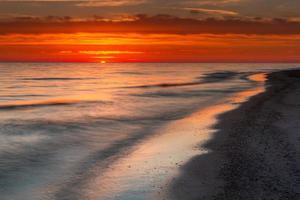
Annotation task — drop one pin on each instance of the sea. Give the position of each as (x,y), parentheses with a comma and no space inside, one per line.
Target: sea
(113,131)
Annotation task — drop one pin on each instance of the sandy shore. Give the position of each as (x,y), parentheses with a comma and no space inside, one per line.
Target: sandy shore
(255,152)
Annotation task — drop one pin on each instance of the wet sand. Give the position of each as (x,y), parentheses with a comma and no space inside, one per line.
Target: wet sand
(255,151)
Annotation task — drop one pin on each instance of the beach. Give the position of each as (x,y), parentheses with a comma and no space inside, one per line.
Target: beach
(254,153)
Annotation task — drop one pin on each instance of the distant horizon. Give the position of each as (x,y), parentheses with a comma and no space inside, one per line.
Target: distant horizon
(166,62)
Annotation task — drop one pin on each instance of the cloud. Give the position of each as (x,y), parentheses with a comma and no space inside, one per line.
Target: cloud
(84,3)
(216,2)
(158,24)
(85,8)
(211,11)
(254,8)
(109,3)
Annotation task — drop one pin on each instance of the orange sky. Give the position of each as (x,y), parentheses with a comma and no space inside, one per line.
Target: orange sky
(157,39)
(150,30)
(92,47)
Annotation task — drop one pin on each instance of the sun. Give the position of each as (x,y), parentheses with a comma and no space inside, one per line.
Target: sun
(102,61)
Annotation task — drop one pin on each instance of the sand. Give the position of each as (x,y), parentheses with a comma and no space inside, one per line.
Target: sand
(255,151)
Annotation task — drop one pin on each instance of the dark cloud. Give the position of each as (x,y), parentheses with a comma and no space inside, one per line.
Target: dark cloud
(256,8)
(143,23)
(109,8)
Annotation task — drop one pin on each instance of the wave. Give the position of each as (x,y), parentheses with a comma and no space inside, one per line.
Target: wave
(22,96)
(218,76)
(132,73)
(207,78)
(34,104)
(188,94)
(163,85)
(56,79)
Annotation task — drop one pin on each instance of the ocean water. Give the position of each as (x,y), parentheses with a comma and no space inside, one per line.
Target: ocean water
(111,131)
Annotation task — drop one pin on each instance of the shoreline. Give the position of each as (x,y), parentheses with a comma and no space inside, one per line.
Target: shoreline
(254,152)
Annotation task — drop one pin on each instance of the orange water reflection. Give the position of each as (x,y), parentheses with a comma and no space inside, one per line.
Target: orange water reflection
(148,169)
(259,77)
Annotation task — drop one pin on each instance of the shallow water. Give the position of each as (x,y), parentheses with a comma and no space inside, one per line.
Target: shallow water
(110,131)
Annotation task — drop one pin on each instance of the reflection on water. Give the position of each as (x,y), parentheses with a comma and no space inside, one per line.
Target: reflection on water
(258,77)
(147,171)
(90,131)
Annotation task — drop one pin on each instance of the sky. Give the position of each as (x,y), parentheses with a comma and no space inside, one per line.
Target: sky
(150,31)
